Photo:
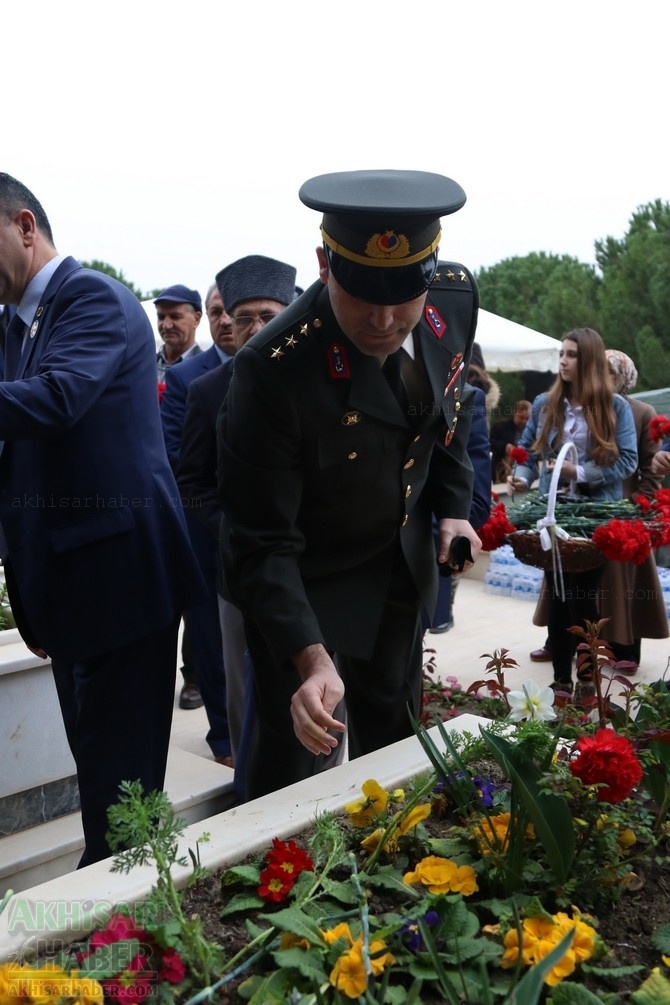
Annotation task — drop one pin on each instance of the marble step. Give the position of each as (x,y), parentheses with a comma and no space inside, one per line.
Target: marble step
(198,788)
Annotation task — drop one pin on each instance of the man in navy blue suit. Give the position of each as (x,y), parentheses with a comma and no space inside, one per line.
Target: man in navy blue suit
(97,557)
(204,680)
(178,310)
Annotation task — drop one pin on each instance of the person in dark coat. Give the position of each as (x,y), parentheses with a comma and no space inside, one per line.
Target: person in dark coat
(340,437)
(96,553)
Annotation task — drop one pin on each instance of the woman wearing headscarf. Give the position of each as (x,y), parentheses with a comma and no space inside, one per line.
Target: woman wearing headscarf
(631,595)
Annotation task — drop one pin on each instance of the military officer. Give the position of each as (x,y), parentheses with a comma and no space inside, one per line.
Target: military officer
(339,439)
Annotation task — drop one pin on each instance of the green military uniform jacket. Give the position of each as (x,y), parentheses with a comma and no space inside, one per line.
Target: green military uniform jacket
(322,477)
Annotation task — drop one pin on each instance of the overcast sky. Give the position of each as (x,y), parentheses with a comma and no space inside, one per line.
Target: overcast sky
(169,139)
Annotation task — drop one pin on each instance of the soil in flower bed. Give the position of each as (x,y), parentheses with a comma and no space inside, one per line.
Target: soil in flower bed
(626,930)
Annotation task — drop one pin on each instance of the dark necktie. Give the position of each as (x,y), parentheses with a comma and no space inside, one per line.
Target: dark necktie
(392,371)
(16,331)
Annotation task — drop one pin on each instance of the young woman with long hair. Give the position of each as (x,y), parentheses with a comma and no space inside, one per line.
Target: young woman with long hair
(580,407)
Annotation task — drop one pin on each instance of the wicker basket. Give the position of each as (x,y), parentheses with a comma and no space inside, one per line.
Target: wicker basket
(578,554)
(575,554)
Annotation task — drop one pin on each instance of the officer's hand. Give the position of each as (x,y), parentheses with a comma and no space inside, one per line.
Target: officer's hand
(660,462)
(449,529)
(315,700)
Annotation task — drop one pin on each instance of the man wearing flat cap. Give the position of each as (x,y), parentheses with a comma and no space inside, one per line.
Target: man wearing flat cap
(344,430)
(178,313)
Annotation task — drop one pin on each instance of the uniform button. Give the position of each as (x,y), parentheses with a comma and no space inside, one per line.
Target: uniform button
(408,491)
(409,464)
(405,519)
(352,456)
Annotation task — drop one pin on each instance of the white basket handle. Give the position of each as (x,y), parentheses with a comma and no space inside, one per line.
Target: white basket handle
(547,526)
(549,520)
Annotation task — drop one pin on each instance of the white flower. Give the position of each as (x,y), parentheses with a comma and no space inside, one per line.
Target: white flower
(532,702)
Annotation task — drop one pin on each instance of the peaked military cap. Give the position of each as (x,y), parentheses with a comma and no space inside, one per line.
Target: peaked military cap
(381,229)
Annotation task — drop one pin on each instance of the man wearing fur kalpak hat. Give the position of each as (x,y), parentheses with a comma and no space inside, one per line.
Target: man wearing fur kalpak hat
(344,430)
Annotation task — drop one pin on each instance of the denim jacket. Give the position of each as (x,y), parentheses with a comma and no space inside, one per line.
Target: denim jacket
(602,483)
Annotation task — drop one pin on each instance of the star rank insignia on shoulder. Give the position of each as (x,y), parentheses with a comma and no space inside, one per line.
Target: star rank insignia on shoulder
(450,273)
(289,341)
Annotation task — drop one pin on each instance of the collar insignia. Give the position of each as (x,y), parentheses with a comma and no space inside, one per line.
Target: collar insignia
(338,362)
(435,321)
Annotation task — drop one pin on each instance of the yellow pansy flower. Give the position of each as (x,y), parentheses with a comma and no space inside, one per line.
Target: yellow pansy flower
(441,875)
(363,811)
(340,931)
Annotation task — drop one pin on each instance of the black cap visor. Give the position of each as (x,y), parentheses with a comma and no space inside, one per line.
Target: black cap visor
(382,285)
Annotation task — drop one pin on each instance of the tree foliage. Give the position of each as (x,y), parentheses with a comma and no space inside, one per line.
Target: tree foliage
(109,270)
(541,291)
(635,292)
(626,296)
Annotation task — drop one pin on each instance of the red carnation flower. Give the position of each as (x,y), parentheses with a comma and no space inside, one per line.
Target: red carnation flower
(519,455)
(659,428)
(496,528)
(607,759)
(161,392)
(623,541)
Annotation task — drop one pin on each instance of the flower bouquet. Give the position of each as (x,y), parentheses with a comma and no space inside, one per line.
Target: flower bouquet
(573,534)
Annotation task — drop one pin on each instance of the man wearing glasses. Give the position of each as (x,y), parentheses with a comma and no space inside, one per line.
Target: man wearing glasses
(256,289)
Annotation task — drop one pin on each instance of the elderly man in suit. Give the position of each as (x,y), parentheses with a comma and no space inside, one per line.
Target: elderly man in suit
(202,621)
(339,438)
(178,310)
(97,556)
(257,289)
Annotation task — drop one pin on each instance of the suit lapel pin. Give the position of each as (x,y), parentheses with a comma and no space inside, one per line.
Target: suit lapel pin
(33,328)
(351,418)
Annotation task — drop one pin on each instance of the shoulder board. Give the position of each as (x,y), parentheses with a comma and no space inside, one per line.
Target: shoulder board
(294,329)
(451,275)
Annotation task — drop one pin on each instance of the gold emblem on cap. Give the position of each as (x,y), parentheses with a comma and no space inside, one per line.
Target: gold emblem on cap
(277,352)
(387,245)
(351,418)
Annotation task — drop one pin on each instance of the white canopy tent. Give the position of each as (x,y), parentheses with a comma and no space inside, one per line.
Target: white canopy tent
(505,344)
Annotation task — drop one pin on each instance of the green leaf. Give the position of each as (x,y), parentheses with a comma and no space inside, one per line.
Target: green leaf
(549,813)
(661,939)
(654,991)
(294,920)
(308,963)
(242,902)
(247,874)
(568,993)
(272,990)
(343,892)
